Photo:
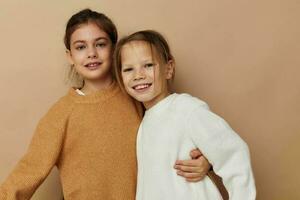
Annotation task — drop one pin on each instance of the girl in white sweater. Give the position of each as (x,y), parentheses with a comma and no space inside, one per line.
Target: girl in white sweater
(175,123)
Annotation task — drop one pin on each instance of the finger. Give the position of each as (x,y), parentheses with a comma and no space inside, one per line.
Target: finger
(187,162)
(189,175)
(188,168)
(195,153)
(193,180)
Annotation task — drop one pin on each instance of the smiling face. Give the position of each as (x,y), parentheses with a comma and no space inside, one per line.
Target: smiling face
(144,74)
(91,52)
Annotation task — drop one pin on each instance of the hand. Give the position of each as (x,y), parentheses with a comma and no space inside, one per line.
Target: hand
(193,170)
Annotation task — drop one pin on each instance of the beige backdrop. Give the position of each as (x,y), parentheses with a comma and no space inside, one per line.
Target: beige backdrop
(240,56)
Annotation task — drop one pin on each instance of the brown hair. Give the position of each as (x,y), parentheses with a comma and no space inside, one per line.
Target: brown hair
(84,17)
(88,16)
(156,41)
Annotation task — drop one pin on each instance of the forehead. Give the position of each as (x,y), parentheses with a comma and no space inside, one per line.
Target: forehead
(138,49)
(88,31)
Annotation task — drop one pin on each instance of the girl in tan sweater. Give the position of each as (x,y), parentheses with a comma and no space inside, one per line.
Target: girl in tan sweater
(90,133)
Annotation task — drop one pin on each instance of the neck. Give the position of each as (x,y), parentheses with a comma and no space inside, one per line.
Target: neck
(154,101)
(91,86)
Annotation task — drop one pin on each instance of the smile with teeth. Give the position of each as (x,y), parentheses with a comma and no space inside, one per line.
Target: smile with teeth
(93,65)
(142,86)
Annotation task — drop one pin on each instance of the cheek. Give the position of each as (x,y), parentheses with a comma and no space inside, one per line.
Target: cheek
(126,83)
(107,53)
(159,82)
(152,72)
(77,57)
(156,76)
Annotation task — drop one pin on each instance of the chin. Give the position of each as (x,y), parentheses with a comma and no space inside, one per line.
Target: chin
(139,97)
(143,99)
(97,76)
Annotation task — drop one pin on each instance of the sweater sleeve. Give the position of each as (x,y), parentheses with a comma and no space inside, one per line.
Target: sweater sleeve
(225,150)
(39,159)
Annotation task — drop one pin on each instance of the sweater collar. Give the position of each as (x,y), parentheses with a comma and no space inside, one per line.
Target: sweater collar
(163,104)
(95,97)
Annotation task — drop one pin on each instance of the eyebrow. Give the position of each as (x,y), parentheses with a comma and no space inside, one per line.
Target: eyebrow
(148,60)
(97,39)
(145,61)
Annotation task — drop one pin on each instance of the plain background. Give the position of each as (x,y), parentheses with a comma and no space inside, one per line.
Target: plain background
(240,56)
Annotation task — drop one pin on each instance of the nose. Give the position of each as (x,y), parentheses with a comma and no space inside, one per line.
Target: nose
(139,74)
(92,52)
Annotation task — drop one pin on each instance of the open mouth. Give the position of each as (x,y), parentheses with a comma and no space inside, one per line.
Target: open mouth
(93,65)
(142,87)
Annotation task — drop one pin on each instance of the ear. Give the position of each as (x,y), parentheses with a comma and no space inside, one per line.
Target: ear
(69,57)
(170,69)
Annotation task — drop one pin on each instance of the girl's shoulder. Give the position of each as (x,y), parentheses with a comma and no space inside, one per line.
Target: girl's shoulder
(198,109)
(64,102)
(61,109)
(188,101)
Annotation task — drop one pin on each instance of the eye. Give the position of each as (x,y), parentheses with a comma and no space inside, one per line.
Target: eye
(80,47)
(149,65)
(101,45)
(128,69)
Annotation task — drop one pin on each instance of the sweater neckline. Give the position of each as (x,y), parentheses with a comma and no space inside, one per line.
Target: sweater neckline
(161,105)
(95,97)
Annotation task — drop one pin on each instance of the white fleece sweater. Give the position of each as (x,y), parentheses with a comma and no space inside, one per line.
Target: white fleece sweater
(173,127)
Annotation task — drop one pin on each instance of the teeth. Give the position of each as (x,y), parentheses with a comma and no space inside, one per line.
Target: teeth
(139,87)
(92,64)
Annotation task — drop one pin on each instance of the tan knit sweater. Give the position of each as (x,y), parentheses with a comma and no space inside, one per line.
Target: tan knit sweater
(91,139)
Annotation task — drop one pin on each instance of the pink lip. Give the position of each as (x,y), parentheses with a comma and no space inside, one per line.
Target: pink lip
(142,87)
(93,65)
